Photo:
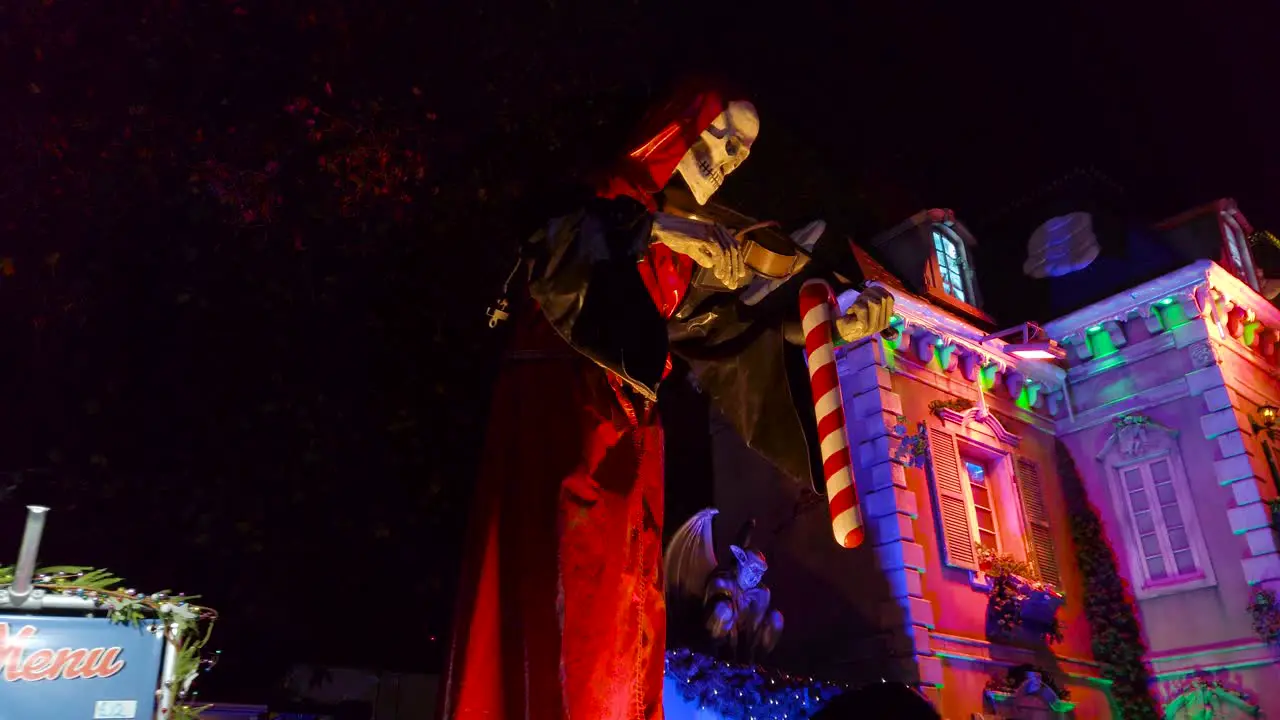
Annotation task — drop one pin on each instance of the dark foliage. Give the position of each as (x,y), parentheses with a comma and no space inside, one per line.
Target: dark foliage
(245,250)
(879,701)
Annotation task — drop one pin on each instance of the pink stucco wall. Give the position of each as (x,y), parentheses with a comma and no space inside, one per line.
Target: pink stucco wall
(969,658)
(1204,388)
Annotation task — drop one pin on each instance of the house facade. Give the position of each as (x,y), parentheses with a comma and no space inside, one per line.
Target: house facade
(968,585)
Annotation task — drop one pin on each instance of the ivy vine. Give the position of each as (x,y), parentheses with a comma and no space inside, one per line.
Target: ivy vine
(1108,604)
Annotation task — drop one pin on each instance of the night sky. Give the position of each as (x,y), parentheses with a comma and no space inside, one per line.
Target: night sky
(245,248)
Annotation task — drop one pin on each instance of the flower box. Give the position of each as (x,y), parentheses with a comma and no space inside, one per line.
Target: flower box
(1040,607)
(1018,605)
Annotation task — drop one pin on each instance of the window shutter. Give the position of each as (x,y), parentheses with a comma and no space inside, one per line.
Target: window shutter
(953,515)
(1038,533)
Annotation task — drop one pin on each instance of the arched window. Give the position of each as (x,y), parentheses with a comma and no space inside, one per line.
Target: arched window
(953,266)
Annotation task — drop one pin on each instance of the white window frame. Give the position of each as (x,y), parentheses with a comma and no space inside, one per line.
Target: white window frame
(963,269)
(1143,585)
(1002,488)
(993,492)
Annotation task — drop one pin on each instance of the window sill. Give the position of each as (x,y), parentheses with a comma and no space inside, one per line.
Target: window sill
(1172,586)
(979,581)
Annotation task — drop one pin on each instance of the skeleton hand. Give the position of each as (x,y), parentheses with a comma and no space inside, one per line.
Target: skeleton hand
(720,620)
(806,237)
(868,316)
(709,245)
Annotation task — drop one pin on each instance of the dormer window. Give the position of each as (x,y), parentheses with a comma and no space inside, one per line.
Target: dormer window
(953,266)
(1237,255)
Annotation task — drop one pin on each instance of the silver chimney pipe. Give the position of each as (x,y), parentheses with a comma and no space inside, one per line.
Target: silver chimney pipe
(25,568)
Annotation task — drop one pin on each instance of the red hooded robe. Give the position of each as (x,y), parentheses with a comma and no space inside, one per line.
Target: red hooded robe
(561,612)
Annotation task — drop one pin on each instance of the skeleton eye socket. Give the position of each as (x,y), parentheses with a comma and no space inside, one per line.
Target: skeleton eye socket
(732,145)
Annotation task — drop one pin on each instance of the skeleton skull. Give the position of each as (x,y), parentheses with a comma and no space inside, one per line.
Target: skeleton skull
(720,150)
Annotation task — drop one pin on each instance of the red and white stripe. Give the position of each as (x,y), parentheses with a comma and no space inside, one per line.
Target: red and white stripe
(817,315)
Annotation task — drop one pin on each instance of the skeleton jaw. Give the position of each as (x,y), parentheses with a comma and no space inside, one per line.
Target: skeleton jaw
(720,150)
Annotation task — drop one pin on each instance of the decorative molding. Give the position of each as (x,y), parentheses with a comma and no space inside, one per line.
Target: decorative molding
(1177,284)
(1147,400)
(1206,291)
(1203,695)
(1130,434)
(1187,661)
(1202,355)
(1133,448)
(1131,354)
(966,649)
(908,367)
(919,314)
(975,414)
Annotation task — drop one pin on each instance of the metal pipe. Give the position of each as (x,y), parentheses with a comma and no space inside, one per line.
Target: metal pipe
(170,683)
(25,568)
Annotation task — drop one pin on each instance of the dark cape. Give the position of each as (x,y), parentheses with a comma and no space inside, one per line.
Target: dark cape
(582,272)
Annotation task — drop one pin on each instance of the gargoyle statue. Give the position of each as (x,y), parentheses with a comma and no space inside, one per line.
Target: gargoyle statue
(736,605)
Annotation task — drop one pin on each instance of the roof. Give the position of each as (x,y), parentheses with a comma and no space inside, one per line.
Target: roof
(874,271)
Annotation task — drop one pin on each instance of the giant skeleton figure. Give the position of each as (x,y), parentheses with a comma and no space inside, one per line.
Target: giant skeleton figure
(561,612)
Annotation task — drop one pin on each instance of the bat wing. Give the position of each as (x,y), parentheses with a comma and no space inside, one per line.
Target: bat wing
(691,556)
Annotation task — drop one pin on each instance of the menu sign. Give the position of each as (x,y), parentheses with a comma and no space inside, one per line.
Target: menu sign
(78,668)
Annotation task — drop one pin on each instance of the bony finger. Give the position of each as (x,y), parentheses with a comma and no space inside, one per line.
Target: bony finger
(704,257)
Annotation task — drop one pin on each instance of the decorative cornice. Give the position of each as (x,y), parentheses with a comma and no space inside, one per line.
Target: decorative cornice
(953,332)
(1178,284)
(980,650)
(976,414)
(1131,430)
(1204,287)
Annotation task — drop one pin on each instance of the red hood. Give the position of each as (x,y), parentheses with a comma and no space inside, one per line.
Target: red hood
(665,135)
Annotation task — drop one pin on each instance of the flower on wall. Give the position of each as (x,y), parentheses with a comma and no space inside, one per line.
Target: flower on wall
(913,449)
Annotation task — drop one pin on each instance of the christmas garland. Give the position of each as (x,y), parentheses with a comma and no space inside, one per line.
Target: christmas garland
(191,624)
(745,693)
(1108,606)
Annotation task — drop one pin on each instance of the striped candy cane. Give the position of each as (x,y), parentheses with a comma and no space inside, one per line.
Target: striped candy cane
(817,315)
